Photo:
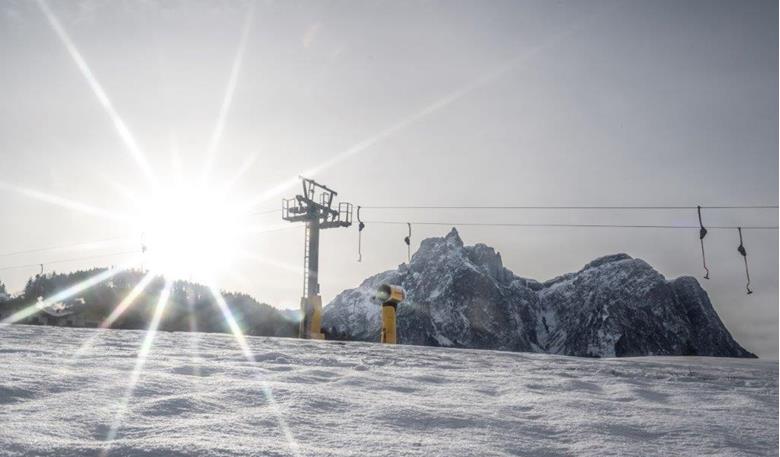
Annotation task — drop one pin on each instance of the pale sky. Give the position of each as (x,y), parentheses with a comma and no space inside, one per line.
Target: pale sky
(419,103)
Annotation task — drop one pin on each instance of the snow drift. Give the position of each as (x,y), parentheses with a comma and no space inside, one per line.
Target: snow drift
(198,396)
(463,296)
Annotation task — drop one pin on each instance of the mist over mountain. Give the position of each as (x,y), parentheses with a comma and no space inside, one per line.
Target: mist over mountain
(463,296)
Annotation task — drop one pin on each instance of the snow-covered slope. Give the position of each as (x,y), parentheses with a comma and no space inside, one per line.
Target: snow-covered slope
(463,296)
(362,399)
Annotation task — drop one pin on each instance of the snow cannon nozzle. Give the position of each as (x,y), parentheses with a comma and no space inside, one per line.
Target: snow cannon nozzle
(390,295)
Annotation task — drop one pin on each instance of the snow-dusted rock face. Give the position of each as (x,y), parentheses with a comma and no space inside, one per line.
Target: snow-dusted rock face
(464,296)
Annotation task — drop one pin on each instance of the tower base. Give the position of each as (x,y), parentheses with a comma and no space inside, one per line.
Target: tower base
(311,323)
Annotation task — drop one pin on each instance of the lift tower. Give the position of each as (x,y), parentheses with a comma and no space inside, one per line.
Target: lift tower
(315,207)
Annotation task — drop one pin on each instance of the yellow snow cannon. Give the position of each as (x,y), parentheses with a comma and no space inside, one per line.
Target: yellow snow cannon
(389,296)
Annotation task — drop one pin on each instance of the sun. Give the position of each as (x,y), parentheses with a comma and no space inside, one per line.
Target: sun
(189,232)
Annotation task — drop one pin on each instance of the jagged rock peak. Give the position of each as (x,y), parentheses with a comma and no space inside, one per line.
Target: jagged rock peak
(454,237)
(606,259)
(451,252)
(452,240)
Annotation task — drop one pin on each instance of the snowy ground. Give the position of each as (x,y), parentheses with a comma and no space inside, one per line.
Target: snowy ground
(355,399)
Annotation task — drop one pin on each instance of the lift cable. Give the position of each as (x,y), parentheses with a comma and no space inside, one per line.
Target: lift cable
(143,249)
(543,207)
(60,247)
(266,211)
(73,259)
(499,224)
(574,207)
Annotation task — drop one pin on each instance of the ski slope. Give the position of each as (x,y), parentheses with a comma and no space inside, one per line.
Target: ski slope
(199,396)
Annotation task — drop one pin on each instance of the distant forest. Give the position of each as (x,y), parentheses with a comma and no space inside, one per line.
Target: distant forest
(191,306)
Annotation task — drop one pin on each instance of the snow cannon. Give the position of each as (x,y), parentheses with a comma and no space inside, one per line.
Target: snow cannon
(389,296)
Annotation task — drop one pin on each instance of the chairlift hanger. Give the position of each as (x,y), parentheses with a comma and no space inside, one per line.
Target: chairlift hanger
(743,253)
(702,234)
(361,226)
(408,241)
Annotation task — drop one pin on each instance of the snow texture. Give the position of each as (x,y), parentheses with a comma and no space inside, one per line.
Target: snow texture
(463,296)
(366,399)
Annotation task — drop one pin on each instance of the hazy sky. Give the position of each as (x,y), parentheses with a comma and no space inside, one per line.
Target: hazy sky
(427,103)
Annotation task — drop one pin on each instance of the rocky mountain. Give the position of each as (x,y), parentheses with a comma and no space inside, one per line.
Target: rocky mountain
(463,296)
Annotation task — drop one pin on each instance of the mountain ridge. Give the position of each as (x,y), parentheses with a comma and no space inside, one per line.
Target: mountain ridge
(463,296)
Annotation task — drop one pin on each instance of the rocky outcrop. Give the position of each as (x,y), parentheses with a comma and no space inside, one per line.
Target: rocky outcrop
(463,296)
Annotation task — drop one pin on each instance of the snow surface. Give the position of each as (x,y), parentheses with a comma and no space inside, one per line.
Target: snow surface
(362,399)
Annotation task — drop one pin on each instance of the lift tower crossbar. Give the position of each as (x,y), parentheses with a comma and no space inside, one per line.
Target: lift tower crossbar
(315,207)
